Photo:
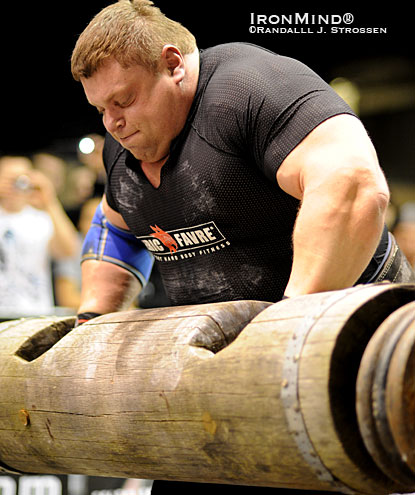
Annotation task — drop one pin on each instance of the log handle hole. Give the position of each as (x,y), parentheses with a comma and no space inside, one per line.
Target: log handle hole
(44,339)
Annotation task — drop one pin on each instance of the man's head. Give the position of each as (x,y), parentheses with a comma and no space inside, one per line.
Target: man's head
(140,70)
(132,32)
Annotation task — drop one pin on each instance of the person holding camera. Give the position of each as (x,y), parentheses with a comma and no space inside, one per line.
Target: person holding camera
(34,229)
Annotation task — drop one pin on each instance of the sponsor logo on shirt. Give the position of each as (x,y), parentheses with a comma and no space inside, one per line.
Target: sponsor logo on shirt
(178,244)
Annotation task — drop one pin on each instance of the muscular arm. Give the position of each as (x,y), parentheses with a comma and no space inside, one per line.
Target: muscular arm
(107,287)
(343,193)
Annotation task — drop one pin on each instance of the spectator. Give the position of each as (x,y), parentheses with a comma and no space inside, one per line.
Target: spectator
(54,167)
(79,187)
(68,269)
(90,154)
(33,230)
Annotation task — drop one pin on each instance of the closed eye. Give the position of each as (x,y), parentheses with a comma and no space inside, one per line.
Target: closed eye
(125,103)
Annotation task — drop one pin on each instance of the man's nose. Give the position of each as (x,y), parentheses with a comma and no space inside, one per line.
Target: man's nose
(113,121)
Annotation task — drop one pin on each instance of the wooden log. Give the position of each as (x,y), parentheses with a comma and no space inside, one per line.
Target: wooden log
(243,392)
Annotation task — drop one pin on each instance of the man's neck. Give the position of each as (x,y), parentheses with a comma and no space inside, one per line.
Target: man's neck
(192,70)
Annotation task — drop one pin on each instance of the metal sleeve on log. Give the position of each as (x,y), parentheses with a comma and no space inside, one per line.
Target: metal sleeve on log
(245,392)
(290,391)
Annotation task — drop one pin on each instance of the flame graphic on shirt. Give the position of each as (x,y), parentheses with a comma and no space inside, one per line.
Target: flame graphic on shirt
(165,238)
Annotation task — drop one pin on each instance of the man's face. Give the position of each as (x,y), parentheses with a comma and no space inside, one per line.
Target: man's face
(141,110)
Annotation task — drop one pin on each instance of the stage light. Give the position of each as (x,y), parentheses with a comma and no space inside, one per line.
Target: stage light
(86,145)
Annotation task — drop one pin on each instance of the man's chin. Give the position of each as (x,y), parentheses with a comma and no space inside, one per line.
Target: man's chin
(147,156)
(135,152)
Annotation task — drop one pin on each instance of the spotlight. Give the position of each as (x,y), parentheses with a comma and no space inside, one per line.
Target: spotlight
(86,145)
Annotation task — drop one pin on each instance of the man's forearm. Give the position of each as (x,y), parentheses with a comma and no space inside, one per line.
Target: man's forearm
(107,287)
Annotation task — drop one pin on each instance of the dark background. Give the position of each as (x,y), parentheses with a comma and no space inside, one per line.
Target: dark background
(43,108)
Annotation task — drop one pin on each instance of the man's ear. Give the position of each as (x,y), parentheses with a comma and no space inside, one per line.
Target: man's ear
(173,60)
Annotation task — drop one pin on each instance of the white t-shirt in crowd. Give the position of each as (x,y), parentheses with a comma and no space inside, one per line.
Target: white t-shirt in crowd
(25,267)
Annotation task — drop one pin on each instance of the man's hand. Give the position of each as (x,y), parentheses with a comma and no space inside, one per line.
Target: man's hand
(84,317)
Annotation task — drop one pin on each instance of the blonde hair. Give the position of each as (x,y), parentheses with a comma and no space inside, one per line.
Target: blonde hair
(131,31)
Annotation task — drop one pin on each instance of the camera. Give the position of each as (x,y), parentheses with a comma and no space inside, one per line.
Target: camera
(23,183)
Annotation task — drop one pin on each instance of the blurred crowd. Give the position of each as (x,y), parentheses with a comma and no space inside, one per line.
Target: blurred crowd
(46,207)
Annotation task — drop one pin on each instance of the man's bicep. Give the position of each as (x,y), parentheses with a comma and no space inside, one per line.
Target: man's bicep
(107,241)
(338,146)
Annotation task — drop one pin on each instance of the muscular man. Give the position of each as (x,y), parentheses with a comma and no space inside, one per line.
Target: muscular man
(241,171)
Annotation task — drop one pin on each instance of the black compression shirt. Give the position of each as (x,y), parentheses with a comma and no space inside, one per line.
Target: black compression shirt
(219,226)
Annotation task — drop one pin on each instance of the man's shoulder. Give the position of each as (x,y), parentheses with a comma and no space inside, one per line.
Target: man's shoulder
(248,58)
(238,56)
(235,49)
(245,68)
(237,75)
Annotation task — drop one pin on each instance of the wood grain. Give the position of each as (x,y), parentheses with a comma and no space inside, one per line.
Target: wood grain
(195,393)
